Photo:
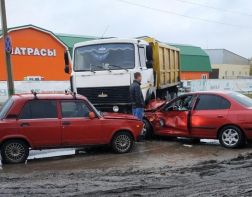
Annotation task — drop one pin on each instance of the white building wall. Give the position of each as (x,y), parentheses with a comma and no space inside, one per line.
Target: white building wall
(230,71)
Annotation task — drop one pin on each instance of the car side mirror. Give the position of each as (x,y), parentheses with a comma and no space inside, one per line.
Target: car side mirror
(67,67)
(12,116)
(92,115)
(175,108)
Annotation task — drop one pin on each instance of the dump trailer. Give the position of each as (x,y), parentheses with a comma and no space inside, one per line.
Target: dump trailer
(102,70)
(166,67)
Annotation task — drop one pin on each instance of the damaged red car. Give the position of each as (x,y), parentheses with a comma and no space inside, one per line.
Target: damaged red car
(31,121)
(226,116)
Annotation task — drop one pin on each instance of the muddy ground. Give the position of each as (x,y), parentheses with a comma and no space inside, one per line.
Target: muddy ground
(155,168)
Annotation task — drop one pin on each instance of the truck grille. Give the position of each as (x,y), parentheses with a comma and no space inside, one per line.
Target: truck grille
(106,95)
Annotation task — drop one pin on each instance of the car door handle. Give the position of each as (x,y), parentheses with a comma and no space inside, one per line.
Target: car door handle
(219,116)
(66,123)
(24,124)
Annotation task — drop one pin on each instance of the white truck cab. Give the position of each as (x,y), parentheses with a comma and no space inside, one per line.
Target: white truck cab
(102,70)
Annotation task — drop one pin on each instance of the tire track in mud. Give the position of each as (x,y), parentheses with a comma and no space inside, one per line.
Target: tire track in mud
(208,178)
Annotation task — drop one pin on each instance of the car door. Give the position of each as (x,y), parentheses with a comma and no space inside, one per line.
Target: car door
(174,116)
(39,122)
(77,127)
(209,114)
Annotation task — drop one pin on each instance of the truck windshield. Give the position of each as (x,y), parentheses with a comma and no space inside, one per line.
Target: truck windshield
(5,108)
(98,57)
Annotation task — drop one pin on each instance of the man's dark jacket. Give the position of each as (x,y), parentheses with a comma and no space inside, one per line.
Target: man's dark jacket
(136,95)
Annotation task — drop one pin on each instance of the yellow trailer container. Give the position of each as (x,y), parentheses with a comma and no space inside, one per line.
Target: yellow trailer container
(166,63)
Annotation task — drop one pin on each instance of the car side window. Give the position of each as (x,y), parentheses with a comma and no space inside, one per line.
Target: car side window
(184,103)
(74,109)
(212,102)
(37,109)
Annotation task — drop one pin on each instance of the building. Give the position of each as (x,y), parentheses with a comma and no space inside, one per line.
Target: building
(195,63)
(38,54)
(228,65)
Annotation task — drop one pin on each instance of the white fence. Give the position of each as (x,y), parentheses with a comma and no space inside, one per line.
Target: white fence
(238,85)
(38,86)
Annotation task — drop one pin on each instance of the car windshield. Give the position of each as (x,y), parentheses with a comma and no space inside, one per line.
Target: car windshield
(104,57)
(5,108)
(242,99)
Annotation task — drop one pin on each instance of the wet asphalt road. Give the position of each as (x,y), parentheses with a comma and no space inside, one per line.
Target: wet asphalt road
(161,167)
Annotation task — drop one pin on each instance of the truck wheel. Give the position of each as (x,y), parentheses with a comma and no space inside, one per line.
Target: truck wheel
(14,151)
(122,142)
(231,137)
(148,132)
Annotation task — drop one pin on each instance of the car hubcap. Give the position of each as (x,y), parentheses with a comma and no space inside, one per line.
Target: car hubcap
(123,143)
(230,137)
(15,151)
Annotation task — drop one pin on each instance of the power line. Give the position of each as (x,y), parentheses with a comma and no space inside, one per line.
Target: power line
(181,15)
(214,8)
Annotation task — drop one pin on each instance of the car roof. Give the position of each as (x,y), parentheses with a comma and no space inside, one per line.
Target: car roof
(50,96)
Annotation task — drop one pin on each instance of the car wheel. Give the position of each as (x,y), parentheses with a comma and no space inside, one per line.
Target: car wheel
(14,151)
(147,130)
(231,137)
(122,142)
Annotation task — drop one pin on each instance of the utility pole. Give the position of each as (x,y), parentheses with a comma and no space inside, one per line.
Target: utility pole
(7,47)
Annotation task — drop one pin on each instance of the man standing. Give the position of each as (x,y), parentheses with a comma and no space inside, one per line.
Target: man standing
(136,96)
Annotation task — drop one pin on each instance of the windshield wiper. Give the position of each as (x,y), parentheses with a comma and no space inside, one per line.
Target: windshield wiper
(116,66)
(91,68)
(98,66)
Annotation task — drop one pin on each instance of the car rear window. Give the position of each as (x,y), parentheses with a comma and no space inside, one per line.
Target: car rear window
(212,102)
(5,108)
(242,99)
(36,109)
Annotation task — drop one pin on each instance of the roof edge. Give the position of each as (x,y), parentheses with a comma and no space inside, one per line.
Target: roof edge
(37,28)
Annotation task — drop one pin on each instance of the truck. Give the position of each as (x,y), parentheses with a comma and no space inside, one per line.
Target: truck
(103,69)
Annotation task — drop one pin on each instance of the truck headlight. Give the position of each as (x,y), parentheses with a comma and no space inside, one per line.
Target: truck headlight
(115,108)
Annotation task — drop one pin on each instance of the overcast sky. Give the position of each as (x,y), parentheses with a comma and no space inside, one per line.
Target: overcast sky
(173,21)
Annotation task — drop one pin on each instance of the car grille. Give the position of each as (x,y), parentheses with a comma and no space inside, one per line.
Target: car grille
(106,95)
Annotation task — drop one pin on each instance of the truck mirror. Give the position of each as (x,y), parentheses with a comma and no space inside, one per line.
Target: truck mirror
(67,70)
(66,58)
(149,53)
(149,64)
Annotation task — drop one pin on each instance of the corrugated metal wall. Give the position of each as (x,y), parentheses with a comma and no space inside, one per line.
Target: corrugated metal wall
(222,56)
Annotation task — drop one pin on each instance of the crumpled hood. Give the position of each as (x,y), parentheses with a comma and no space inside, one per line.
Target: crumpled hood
(154,105)
(108,115)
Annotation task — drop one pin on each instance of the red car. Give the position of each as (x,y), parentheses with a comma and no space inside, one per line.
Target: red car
(42,121)
(226,116)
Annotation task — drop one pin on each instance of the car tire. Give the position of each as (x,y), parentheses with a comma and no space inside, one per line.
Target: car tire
(231,137)
(148,131)
(122,142)
(14,151)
